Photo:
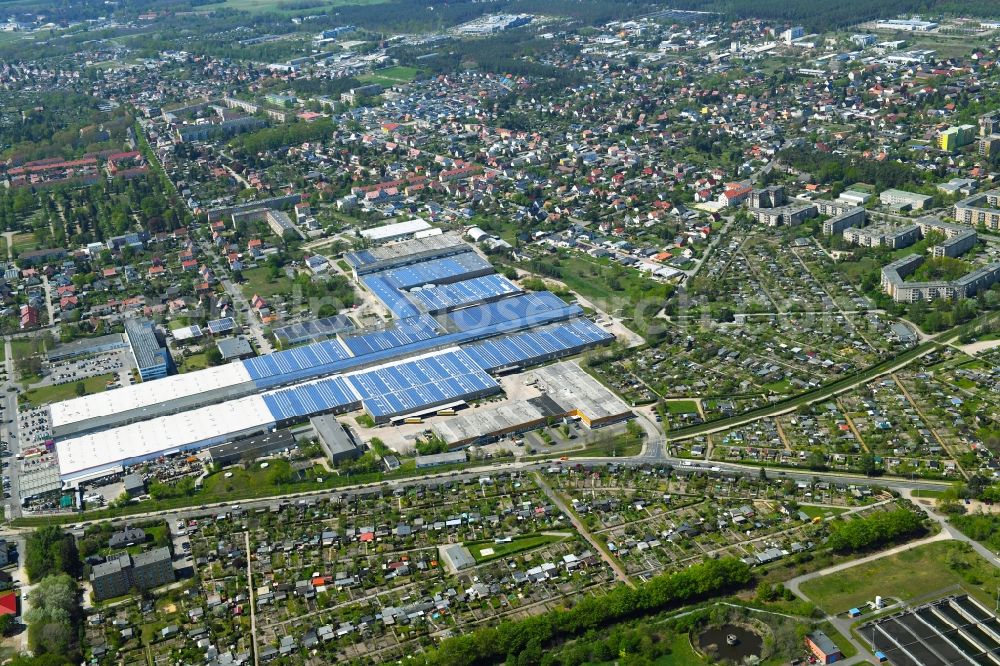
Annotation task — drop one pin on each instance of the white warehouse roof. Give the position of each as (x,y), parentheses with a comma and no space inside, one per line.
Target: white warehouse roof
(87,455)
(147,394)
(397,230)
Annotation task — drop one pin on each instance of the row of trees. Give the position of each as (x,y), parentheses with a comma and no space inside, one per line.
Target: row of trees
(529,637)
(872,531)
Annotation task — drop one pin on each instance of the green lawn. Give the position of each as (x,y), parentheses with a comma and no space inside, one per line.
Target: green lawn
(907,575)
(25,347)
(57,392)
(517,545)
(612,287)
(197,361)
(391,76)
(681,654)
(619,446)
(933,494)
(258,282)
(821,511)
(23,242)
(682,406)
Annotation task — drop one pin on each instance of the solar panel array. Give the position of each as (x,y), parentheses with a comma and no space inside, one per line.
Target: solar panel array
(298,363)
(529,347)
(425,382)
(360,258)
(317,329)
(394,299)
(326,395)
(223,325)
(387,391)
(438,271)
(452,296)
(523,307)
(406,331)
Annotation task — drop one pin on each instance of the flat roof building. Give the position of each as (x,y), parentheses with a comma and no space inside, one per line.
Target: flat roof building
(982,208)
(251,447)
(883,236)
(404,253)
(338,442)
(395,231)
(456,557)
(151,358)
(855,217)
(433,460)
(895,285)
(903,199)
(87,346)
(825,650)
(565,390)
(235,348)
(144,571)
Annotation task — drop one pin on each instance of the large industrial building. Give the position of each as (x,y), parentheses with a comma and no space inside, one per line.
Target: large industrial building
(564,390)
(456,324)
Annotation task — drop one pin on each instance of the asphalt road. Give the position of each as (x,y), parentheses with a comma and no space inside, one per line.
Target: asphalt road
(679,466)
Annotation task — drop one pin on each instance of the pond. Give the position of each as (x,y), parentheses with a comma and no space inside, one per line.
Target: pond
(715,640)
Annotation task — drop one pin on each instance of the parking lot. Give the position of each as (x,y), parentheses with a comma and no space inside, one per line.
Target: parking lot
(118,363)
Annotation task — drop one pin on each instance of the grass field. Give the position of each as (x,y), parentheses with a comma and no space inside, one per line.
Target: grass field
(907,575)
(257,282)
(933,494)
(821,511)
(622,445)
(682,407)
(24,242)
(518,545)
(57,392)
(197,361)
(391,75)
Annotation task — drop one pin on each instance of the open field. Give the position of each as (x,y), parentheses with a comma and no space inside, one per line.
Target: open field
(57,392)
(197,361)
(821,511)
(258,282)
(24,242)
(390,76)
(485,551)
(906,575)
(682,406)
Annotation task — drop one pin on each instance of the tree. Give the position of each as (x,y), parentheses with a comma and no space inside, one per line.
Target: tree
(53,615)
(213,356)
(50,550)
(80,389)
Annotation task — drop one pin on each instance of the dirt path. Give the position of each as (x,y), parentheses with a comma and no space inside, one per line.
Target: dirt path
(582,529)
